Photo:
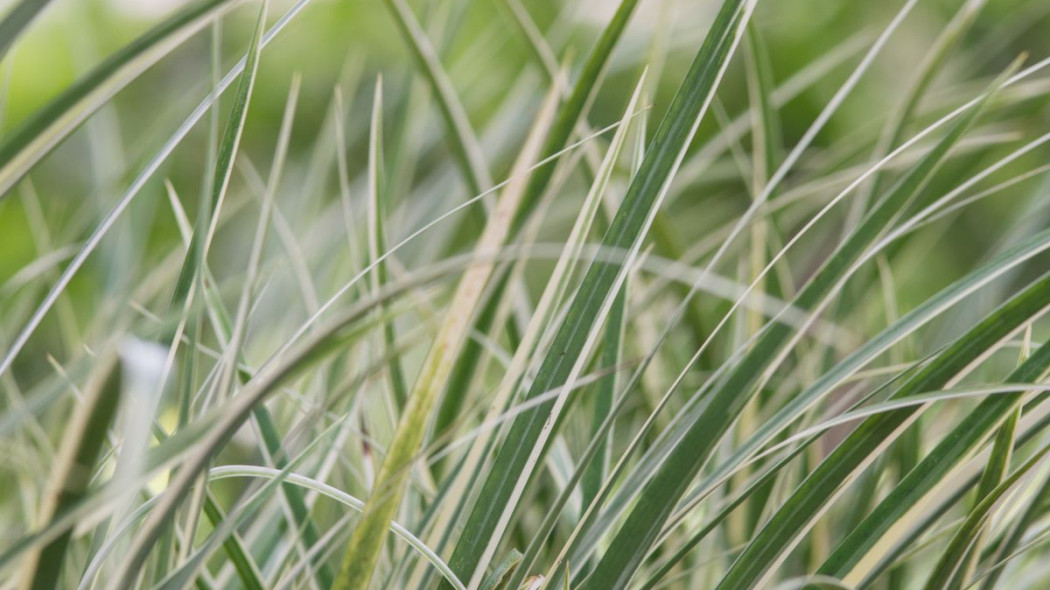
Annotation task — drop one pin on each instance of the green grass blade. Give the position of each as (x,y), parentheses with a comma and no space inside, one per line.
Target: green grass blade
(247,570)
(643,197)
(497,580)
(997,468)
(75,463)
(575,108)
(553,296)
(342,497)
(612,353)
(208,215)
(1014,537)
(17,20)
(854,555)
(975,522)
(465,144)
(226,525)
(377,195)
(126,199)
(931,64)
(36,137)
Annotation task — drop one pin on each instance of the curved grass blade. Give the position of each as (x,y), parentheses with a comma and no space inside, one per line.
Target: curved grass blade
(36,137)
(75,463)
(226,525)
(643,197)
(858,551)
(17,20)
(792,519)
(722,405)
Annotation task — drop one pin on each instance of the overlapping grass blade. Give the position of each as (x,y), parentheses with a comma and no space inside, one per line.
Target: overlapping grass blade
(861,549)
(966,536)
(570,114)
(728,398)
(125,200)
(211,204)
(792,519)
(602,280)
(367,541)
(75,464)
(465,144)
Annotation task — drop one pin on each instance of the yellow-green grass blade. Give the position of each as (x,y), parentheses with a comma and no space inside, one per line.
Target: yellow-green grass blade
(632,220)
(362,553)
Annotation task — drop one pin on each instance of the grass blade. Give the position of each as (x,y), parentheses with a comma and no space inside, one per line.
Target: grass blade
(857,552)
(17,20)
(766,550)
(377,194)
(36,137)
(75,463)
(465,144)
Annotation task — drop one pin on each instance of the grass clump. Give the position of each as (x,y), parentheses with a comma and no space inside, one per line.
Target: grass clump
(501,295)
